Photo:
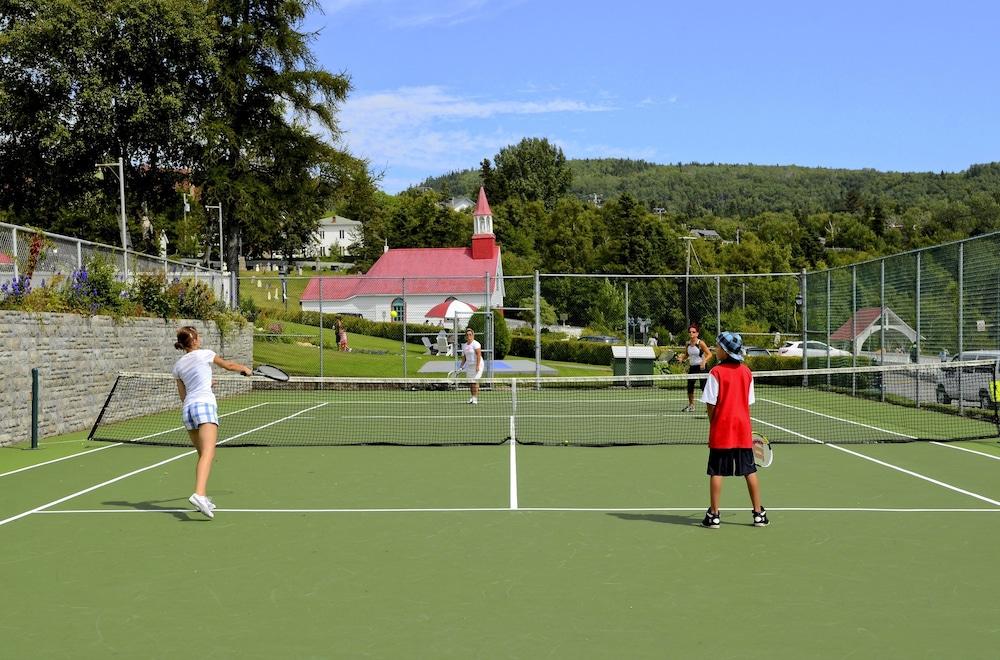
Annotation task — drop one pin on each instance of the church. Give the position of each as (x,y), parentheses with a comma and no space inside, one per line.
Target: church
(406,284)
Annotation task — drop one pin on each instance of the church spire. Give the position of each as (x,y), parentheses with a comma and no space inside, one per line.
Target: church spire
(483,240)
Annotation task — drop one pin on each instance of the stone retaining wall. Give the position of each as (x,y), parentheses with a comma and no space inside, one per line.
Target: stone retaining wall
(79,357)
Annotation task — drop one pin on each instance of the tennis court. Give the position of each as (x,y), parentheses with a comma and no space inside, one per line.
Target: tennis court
(544,547)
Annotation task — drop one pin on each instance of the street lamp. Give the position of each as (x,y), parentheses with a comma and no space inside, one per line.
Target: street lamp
(222,258)
(120,164)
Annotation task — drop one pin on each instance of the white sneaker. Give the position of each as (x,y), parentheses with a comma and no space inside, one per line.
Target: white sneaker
(203,504)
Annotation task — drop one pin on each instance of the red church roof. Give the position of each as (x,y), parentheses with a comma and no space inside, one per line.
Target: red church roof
(863,318)
(428,271)
(482,206)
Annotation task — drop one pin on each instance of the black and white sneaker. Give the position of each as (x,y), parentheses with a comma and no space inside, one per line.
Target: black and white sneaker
(760,518)
(711,520)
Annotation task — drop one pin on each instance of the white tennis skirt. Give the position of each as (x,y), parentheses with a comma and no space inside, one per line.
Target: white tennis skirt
(472,374)
(196,414)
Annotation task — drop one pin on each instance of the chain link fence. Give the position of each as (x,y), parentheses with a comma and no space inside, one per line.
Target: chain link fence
(926,305)
(51,258)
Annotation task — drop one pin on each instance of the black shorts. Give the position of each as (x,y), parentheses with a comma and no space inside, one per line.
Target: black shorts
(730,462)
(695,369)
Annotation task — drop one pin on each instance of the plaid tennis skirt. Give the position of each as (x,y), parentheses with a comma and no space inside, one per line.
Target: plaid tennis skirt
(199,413)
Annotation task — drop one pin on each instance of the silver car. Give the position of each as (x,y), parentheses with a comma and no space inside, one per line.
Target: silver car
(969,383)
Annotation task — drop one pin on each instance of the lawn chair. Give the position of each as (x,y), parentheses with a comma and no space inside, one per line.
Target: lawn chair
(431,348)
(443,347)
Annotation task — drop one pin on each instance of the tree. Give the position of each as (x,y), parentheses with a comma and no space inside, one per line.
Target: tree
(533,170)
(89,81)
(267,76)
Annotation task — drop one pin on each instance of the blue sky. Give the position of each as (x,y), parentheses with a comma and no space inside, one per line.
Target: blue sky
(438,85)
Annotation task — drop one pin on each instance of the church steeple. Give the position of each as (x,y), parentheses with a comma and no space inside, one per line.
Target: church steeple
(483,241)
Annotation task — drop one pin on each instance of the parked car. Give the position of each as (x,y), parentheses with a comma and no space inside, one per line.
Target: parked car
(600,339)
(753,351)
(970,383)
(813,349)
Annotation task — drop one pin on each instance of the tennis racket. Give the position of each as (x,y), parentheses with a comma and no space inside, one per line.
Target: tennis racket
(456,373)
(274,373)
(762,454)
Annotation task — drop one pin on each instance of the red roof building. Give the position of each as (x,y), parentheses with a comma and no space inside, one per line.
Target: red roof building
(408,282)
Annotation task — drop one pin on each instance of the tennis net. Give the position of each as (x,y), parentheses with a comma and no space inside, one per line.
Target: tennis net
(902,403)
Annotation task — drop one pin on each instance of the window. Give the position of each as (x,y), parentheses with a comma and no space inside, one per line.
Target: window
(397,307)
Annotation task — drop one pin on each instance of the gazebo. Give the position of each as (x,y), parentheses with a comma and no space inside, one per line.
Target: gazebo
(866,322)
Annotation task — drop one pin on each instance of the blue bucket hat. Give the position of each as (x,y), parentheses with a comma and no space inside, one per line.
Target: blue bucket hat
(732,344)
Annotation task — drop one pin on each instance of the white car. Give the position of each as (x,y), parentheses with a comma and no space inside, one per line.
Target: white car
(813,349)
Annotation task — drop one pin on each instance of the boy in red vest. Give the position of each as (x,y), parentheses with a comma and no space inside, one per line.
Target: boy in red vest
(727,395)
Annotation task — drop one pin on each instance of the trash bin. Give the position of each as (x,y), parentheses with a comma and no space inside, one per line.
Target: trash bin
(640,362)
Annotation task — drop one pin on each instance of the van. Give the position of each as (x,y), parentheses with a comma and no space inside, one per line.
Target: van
(969,383)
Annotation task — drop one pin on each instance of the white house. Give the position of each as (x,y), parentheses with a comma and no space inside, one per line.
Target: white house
(335,236)
(406,283)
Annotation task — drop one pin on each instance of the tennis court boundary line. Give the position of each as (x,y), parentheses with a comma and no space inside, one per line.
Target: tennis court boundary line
(43,507)
(698,510)
(885,464)
(117,444)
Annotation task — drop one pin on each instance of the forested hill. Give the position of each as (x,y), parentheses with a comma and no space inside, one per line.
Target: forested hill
(694,189)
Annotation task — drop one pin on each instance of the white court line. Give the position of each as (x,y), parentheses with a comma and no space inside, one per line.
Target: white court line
(117,444)
(513,470)
(686,509)
(140,470)
(839,419)
(472,415)
(888,465)
(971,451)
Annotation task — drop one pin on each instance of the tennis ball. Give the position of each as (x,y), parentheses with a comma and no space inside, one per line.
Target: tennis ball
(393,313)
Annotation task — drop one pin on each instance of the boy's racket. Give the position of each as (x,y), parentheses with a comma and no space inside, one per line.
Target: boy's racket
(762,454)
(268,371)
(456,373)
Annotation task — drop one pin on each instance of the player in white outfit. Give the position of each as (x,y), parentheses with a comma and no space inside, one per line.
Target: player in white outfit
(472,362)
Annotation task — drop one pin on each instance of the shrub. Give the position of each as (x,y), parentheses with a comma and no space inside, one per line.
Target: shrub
(149,292)
(501,333)
(583,352)
(192,299)
(96,288)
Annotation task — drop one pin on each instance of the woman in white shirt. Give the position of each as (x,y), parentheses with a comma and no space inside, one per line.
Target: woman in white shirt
(472,362)
(199,410)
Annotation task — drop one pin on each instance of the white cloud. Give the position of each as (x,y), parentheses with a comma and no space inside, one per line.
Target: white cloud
(420,13)
(429,130)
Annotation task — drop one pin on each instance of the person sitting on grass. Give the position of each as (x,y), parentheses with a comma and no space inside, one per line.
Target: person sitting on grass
(199,410)
(728,395)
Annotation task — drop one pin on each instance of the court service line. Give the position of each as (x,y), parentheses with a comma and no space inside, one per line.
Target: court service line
(542,509)
(888,465)
(41,508)
(513,467)
(117,444)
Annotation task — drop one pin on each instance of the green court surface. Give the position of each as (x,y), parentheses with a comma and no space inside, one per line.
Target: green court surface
(499,551)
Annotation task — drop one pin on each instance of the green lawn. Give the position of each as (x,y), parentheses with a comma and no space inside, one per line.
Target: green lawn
(369,357)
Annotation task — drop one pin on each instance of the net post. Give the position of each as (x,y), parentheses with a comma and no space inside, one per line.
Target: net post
(34,407)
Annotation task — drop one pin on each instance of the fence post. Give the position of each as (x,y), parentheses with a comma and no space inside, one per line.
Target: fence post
(961,319)
(882,313)
(538,330)
(828,324)
(406,308)
(718,305)
(854,327)
(13,233)
(917,342)
(321,342)
(79,255)
(804,292)
(627,360)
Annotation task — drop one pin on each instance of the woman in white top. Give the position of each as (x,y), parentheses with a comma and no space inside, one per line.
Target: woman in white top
(472,362)
(199,410)
(697,357)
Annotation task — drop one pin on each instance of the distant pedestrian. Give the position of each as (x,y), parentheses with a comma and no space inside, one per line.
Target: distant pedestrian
(342,337)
